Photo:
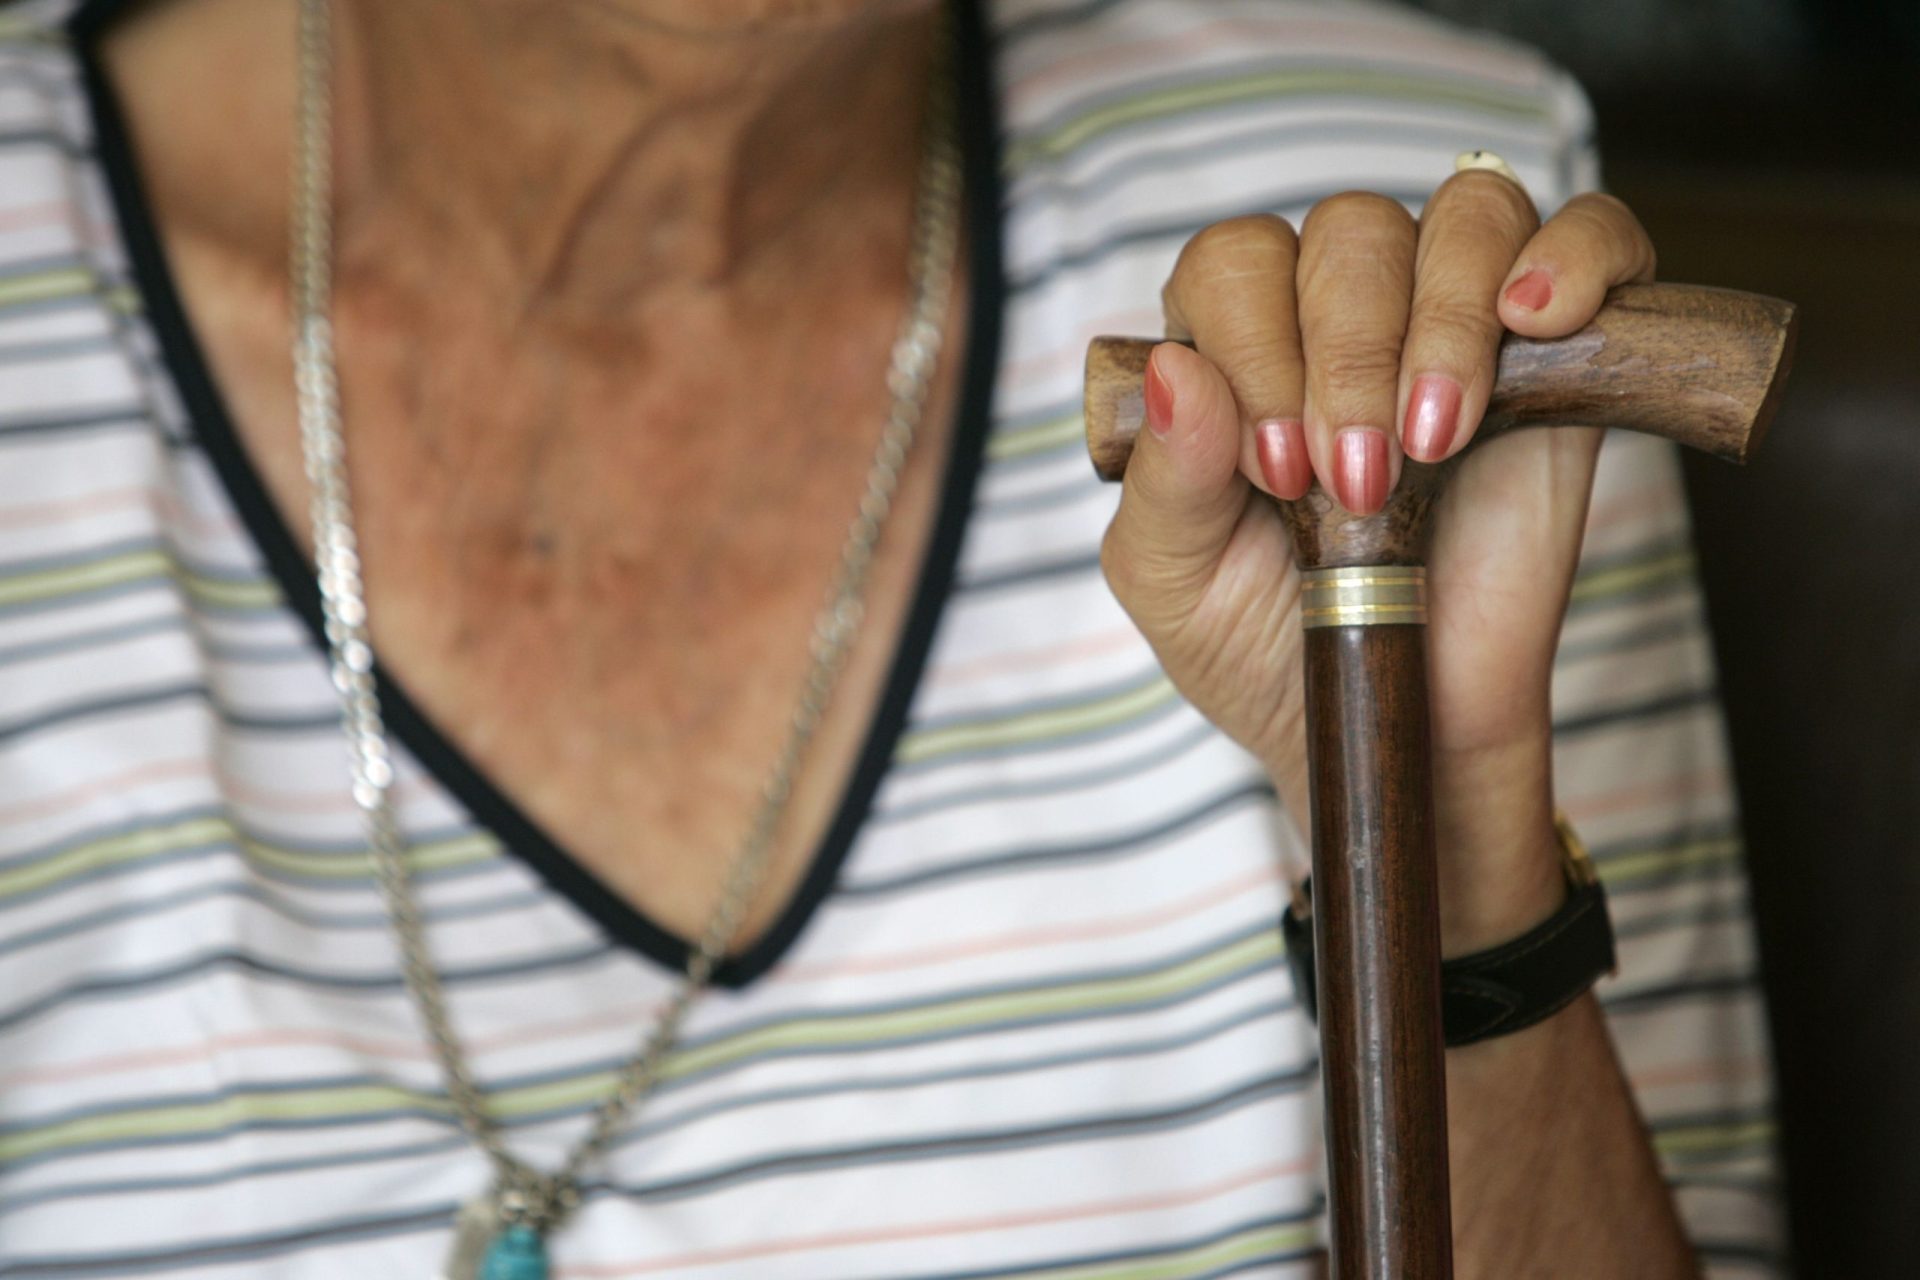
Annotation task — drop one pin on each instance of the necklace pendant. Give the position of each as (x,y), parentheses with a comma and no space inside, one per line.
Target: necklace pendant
(473,1235)
(517,1253)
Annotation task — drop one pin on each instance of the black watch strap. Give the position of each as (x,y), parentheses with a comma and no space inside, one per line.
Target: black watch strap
(1505,988)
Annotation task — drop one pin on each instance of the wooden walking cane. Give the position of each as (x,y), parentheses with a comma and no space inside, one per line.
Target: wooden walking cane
(1700,366)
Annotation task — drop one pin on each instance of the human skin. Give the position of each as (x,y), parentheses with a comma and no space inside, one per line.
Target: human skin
(616,284)
(613,312)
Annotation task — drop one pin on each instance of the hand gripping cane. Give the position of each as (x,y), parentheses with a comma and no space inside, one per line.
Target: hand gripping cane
(1700,366)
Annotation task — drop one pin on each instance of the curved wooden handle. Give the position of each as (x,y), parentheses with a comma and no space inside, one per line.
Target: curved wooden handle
(1698,365)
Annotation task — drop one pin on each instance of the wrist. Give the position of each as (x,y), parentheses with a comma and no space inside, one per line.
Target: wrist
(1505,989)
(1497,850)
(1499,856)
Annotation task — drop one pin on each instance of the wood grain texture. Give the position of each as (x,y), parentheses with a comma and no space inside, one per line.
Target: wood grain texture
(1328,536)
(1697,365)
(1377,953)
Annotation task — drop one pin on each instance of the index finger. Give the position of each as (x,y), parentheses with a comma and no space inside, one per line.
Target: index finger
(1232,292)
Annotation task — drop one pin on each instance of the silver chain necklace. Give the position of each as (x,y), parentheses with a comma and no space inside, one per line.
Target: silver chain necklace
(500,1235)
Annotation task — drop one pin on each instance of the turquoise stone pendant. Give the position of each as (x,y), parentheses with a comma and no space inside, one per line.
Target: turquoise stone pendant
(473,1232)
(517,1253)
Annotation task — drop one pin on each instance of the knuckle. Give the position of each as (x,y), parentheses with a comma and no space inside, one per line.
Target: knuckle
(1454,320)
(1265,379)
(1601,205)
(1356,363)
(1251,242)
(1486,202)
(1254,337)
(1608,218)
(1602,216)
(1359,213)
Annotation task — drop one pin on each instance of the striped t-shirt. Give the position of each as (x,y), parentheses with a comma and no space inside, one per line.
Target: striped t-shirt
(1028,1015)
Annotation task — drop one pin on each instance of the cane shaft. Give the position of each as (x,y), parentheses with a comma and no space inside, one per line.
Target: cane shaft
(1377,943)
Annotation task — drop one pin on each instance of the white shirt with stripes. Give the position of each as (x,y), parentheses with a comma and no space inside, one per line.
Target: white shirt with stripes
(1028,1018)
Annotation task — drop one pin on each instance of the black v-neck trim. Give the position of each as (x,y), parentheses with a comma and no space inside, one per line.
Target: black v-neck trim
(517,832)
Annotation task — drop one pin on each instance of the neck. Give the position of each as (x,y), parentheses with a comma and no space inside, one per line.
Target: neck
(561,137)
(575,153)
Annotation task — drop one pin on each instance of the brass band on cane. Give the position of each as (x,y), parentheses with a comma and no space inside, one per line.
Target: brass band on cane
(1364,596)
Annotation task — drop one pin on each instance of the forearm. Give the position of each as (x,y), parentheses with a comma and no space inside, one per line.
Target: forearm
(1552,1171)
(1551,1166)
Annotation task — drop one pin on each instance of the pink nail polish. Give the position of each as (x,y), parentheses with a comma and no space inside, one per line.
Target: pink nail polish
(1281,445)
(1532,291)
(1360,470)
(1433,414)
(1159,398)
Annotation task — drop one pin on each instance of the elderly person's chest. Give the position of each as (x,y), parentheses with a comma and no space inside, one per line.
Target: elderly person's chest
(595,555)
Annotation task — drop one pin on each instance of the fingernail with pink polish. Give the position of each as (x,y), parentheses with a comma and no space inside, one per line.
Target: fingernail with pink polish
(1433,414)
(1532,291)
(1360,469)
(1159,398)
(1281,444)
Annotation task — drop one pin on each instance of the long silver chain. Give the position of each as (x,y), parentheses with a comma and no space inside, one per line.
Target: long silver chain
(525,1195)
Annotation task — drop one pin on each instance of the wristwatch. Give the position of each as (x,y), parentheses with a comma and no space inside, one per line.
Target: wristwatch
(1505,988)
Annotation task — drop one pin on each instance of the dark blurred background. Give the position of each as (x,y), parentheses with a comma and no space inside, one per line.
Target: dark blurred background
(1774,145)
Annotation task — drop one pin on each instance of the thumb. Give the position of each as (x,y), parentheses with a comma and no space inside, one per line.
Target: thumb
(1184,491)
